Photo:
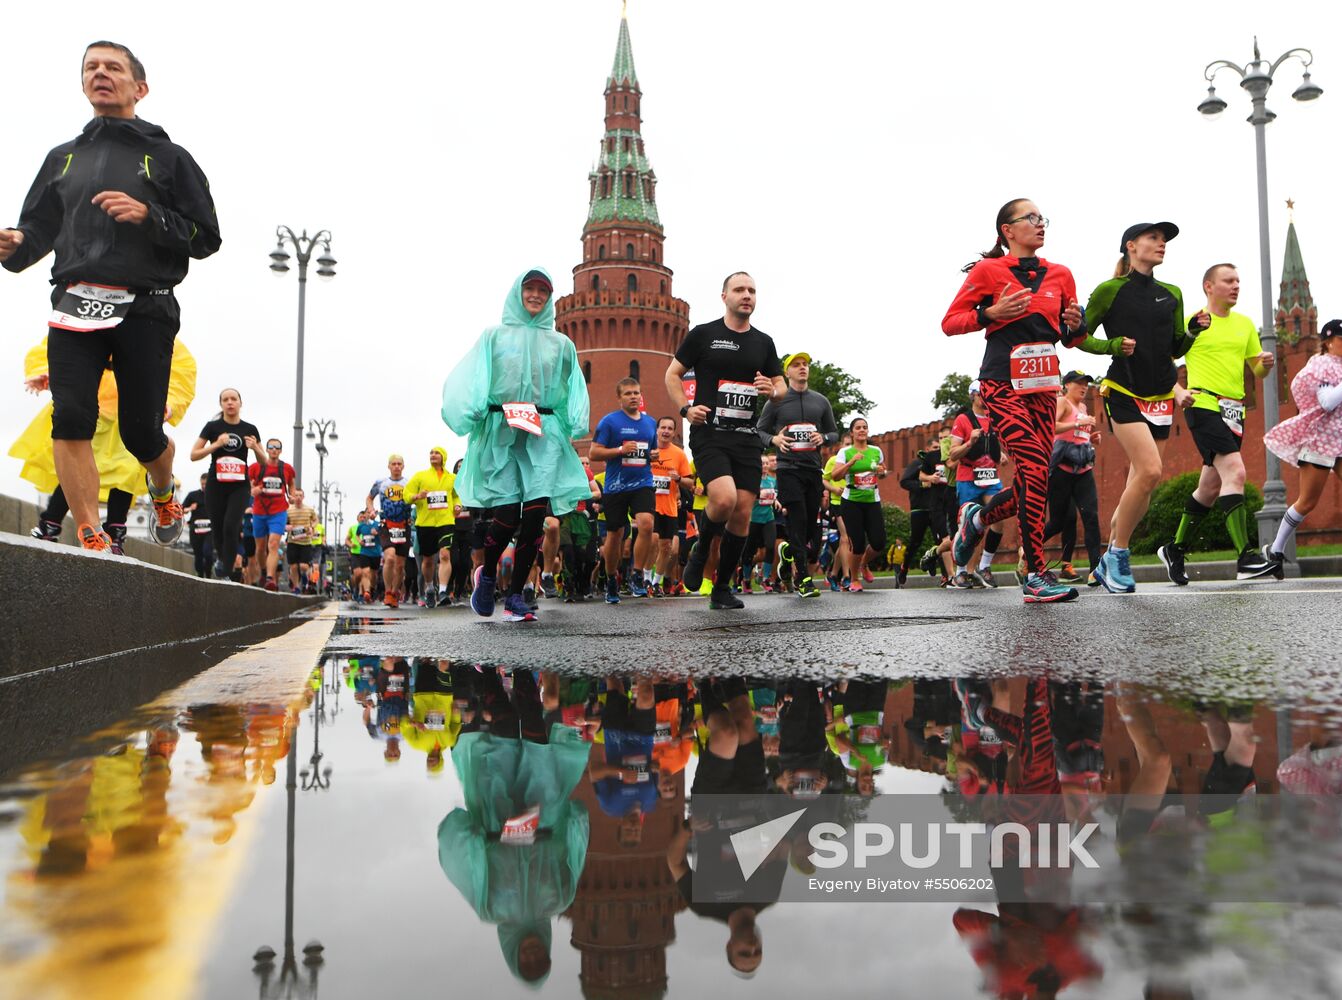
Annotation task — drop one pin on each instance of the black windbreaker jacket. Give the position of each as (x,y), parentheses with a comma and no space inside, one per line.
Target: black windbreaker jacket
(137,158)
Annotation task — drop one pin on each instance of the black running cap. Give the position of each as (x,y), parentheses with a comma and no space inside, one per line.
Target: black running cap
(538,276)
(1132,232)
(1333,328)
(1075,376)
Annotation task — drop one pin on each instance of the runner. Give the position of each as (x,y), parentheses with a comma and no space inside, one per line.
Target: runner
(734,363)
(193,505)
(861,465)
(799,425)
(763,532)
(976,453)
(924,479)
(841,551)
(1311,440)
(521,398)
(433,491)
(1143,321)
(463,539)
(1071,476)
(300,546)
(115,268)
(226,441)
(369,556)
(120,475)
(1225,340)
(626,440)
(671,468)
(390,493)
(1025,305)
(271,482)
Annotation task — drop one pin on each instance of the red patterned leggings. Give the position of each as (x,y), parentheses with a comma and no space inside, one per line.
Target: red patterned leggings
(1023,423)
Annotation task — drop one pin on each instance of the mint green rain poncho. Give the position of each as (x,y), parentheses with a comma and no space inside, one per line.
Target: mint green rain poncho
(518,887)
(525,359)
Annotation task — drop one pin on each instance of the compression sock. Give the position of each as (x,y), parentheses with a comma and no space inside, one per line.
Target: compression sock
(733,546)
(159,493)
(1237,519)
(1289,523)
(529,535)
(1189,522)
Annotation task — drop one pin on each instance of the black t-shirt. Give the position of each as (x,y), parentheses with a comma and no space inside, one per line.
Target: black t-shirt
(725,363)
(228,465)
(722,909)
(196,497)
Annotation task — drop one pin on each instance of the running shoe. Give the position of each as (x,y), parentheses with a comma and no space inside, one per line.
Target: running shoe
(1068,574)
(46,531)
(807,589)
(1092,580)
(516,609)
(612,591)
(548,587)
(1115,572)
(1278,560)
(693,574)
(167,523)
(1252,564)
(1172,555)
(638,586)
(529,595)
(855,587)
(1043,589)
(117,532)
(962,581)
(482,596)
(94,539)
(833,584)
(784,554)
(966,535)
(867,576)
(722,599)
(392,600)
(930,562)
(746,588)
(705,588)
(270,584)
(430,597)
(986,577)
(974,696)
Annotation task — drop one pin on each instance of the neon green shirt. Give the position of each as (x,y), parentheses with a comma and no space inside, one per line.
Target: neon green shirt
(1216,359)
(435,510)
(862,481)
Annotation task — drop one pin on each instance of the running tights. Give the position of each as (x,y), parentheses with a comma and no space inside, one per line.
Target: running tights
(226,505)
(1064,490)
(1024,424)
(527,521)
(118,508)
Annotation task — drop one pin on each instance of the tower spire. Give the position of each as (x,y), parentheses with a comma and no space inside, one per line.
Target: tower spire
(1297,315)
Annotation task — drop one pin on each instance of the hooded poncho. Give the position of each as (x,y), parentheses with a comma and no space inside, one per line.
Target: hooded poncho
(524,359)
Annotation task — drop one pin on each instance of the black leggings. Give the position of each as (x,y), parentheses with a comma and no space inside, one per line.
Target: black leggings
(226,505)
(865,524)
(527,521)
(800,493)
(203,551)
(762,535)
(920,523)
(118,507)
(1064,490)
(462,566)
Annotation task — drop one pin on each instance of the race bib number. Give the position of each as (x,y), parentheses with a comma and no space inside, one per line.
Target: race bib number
(864,480)
(522,829)
(940,472)
(435,722)
(662,734)
(798,436)
(83,307)
(689,383)
(637,457)
(228,469)
(437,500)
(201,526)
(868,734)
(397,534)
(662,485)
(639,764)
(298,533)
(986,475)
(1034,368)
(1157,412)
(272,486)
(806,784)
(735,409)
(767,497)
(523,417)
(1232,412)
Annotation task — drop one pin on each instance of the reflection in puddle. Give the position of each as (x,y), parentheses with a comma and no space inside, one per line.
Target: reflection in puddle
(479,817)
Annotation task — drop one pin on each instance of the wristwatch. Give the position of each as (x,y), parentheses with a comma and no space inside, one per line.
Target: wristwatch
(685,410)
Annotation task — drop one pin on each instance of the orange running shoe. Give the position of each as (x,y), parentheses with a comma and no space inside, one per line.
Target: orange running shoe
(392,600)
(168,516)
(94,539)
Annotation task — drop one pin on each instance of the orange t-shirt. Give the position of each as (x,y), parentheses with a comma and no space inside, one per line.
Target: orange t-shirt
(669,459)
(671,748)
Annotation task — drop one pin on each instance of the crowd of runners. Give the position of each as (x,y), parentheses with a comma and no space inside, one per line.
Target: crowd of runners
(767,493)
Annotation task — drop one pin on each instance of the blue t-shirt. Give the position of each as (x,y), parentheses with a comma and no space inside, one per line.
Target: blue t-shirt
(392,492)
(370,539)
(627,749)
(763,511)
(633,472)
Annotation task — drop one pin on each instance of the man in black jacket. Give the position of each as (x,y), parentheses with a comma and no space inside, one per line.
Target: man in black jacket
(799,425)
(124,209)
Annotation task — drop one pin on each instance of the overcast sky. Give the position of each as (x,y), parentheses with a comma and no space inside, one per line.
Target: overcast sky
(850,156)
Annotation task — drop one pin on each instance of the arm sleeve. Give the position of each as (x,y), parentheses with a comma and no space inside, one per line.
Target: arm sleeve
(466,388)
(1330,396)
(1096,310)
(182,218)
(962,316)
(829,427)
(40,218)
(181,382)
(766,427)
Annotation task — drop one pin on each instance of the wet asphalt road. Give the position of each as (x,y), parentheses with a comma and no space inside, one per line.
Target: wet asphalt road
(1261,640)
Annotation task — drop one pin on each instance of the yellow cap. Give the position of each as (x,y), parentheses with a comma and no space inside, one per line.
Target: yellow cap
(798,355)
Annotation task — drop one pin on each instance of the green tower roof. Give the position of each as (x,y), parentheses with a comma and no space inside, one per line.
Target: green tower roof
(1294,282)
(623,70)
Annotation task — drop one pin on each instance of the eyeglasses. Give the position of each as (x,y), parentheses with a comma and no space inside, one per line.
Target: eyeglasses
(274,447)
(1033,219)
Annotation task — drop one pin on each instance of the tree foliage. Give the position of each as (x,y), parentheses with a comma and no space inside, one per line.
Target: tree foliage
(952,395)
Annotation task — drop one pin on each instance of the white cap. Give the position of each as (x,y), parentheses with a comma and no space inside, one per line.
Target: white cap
(974,387)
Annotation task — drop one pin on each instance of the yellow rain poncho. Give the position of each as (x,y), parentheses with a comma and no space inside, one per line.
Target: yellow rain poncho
(117,468)
(526,360)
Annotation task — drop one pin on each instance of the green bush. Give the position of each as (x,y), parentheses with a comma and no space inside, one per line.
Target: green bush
(1167,505)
